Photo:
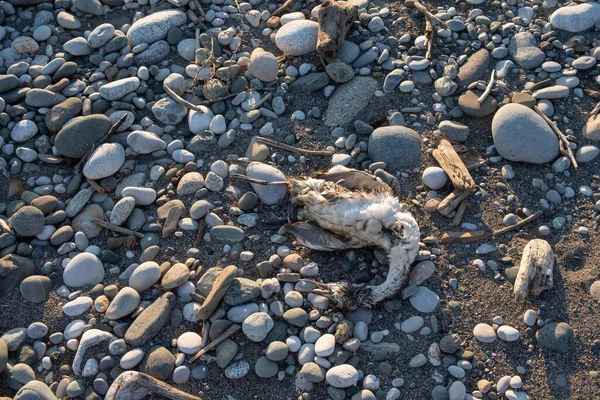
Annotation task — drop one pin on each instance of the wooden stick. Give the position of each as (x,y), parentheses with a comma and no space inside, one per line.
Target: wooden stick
(519,224)
(117,228)
(460,211)
(129,384)
(452,201)
(232,329)
(489,87)
(560,135)
(453,165)
(205,330)
(286,6)
(262,101)
(430,33)
(111,131)
(239,177)
(181,100)
(96,186)
(273,143)
(463,237)
(415,3)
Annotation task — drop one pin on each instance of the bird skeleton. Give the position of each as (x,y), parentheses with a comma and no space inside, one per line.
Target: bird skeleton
(350,209)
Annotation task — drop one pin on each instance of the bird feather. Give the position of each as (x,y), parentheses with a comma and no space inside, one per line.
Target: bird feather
(316,238)
(355,180)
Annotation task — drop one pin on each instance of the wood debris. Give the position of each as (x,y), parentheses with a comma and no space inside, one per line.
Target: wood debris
(335,17)
(131,385)
(536,269)
(566,146)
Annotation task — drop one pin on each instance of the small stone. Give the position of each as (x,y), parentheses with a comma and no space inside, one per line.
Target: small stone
(484,333)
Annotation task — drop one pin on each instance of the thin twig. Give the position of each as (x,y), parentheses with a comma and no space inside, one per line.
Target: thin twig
(262,101)
(205,330)
(181,100)
(117,228)
(489,87)
(111,131)
(96,186)
(239,177)
(273,143)
(415,3)
(560,135)
(232,329)
(519,224)
(430,33)
(460,211)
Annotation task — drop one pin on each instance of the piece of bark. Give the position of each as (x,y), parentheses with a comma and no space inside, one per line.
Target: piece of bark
(220,287)
(117,228)
(519,224)
(469,156)
(171,221)
(133,385)
(463,237)
(460,211)
(536,270)
(452,201)
(335,17)
(454,167)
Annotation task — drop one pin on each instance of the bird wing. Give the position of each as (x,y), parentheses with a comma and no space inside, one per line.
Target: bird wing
(316,238)
(353,179)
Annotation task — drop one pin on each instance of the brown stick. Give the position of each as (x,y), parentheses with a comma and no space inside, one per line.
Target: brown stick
(95,186)
(452,201)
(558,133)
(430,33)
(463,237)
(519,224)
(181,100)
(459,213)
(286,6)
(232,329)
(453,165)
(273,143)
(117,228)
(111,131)
(262,101)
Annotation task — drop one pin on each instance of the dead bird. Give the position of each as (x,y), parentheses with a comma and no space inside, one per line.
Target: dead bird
(349,209)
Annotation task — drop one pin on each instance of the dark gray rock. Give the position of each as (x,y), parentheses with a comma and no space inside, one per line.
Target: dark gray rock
(76,138)
(151,320)
(556,337)
(474,68)
(398,146)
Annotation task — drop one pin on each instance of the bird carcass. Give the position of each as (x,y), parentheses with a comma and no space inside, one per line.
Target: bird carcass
(536,270)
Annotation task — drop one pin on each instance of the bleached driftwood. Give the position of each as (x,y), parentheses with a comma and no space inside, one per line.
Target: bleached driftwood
(133,385)
(536,270)
(335,17)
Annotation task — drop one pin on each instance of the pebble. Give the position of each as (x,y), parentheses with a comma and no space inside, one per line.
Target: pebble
(424,300)
(257,326)
(434,177)
(342,376)
(297,37)
(484,333)
(85,269)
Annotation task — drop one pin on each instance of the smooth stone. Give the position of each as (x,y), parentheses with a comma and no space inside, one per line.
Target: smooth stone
(190,183)
(131,359)
(263,65)
(524,50)
(199,122)
(265,368)
(552,92)
(63,112)
(508,333)
(105,161)
(189,343)
(143,196)
(176,276)
(23,131)
(77,137)
(226,352)
(35,288)
(587,153)
(348,100)
(474,68)
(398,146)
(298,37)
(242,291)
(296,317)
(159,363)
(342,376)
(100,35)
(591,130)
(268,194)
(340,72)
(117,89)
(325,345)
(256,327)
(78,306)
(154,27)
(27,221)
(77,47)
(151,321)
(168,111)
(124,303)
(469,105)
(83,222)
(143,142)
(576,18)
(144,276)
(34,390)
(434,178)
(85,269)
(556,337)
(484,333)
(520,134)
(218,290)
(424,300)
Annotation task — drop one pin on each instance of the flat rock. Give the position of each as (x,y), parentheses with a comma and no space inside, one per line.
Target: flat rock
(219,289)
(263,65)
(158,362)
(474,68)
(520,134)
(348,100)
(155,26)
(35,288)
(83,222)
(27,221)
(556,337)
(143,142)
(63,112)
(469,105)
(576,18)
(85,269)
(124,303)
(144,276)
(117,89)
(424,300)
(78,136)
(151,320)
(342,376)
(591,130)
(105,161)
(524,50)
(484,333)
(257,326)
(398,146)
(34,390)
(242,291)
(13,270)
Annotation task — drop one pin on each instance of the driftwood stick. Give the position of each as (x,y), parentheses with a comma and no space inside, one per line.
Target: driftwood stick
(232,329)
(244,178)
(117,228)
(286,6)
(335,18)
(262,101)
(558,133)
(452,201)
(430,33)
(519,224)
(95,186)
(273,143)
(205,330)
(415,3)
(111,131)
(181,100)
(489,87)
(135,385)
(463,237)
(460,211)
(209,102)
(453,165)
(535,270)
